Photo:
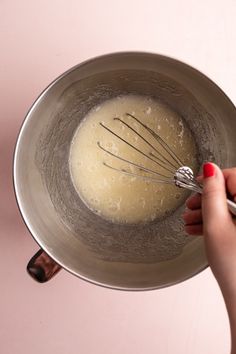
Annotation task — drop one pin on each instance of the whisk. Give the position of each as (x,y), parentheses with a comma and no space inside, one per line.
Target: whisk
(180,175)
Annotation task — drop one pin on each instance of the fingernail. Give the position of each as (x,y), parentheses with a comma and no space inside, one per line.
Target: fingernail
(208,170)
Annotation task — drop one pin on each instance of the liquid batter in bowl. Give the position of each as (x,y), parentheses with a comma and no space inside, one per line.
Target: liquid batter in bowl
(114,195)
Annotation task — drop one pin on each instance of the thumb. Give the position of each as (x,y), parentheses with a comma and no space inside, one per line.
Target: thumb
(214,205)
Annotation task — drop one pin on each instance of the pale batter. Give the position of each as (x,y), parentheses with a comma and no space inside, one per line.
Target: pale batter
(114,195)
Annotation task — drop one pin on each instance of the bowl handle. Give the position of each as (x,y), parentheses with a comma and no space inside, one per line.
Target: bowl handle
(41,267)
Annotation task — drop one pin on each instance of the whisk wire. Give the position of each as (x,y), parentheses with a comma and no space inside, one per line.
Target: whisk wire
(179,174)
(148,178)
(182,176)
(160,140)
(165,160)
(140,167)
(135,148)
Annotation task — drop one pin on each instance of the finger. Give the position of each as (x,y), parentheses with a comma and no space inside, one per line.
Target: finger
(230,179)
(194,230)
(194,202)
(192,217)
(199,178)
(214,206)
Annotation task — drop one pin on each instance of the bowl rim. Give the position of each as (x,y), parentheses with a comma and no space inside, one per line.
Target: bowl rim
(18,142)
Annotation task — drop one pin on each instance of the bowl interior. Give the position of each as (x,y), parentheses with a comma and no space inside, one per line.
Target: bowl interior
(120,256)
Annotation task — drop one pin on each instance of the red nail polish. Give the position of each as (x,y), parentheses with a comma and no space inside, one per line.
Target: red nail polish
(208,170)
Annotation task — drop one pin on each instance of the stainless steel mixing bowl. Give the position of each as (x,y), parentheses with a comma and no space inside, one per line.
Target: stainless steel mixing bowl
(132,257)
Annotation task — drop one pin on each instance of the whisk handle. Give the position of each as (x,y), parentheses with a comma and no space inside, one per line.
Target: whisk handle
(197,188)
(182,180)
(231,206)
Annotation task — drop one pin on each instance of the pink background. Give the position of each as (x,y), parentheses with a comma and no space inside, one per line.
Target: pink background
(39,40)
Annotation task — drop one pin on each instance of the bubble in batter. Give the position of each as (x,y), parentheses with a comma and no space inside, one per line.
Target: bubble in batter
(112,194)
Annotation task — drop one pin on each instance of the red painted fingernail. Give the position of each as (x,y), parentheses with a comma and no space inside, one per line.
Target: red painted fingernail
(208,170)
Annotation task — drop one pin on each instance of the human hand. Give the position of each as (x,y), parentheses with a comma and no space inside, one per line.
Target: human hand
(208,215)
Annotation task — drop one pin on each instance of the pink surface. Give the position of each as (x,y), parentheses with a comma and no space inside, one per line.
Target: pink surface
(39,40)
